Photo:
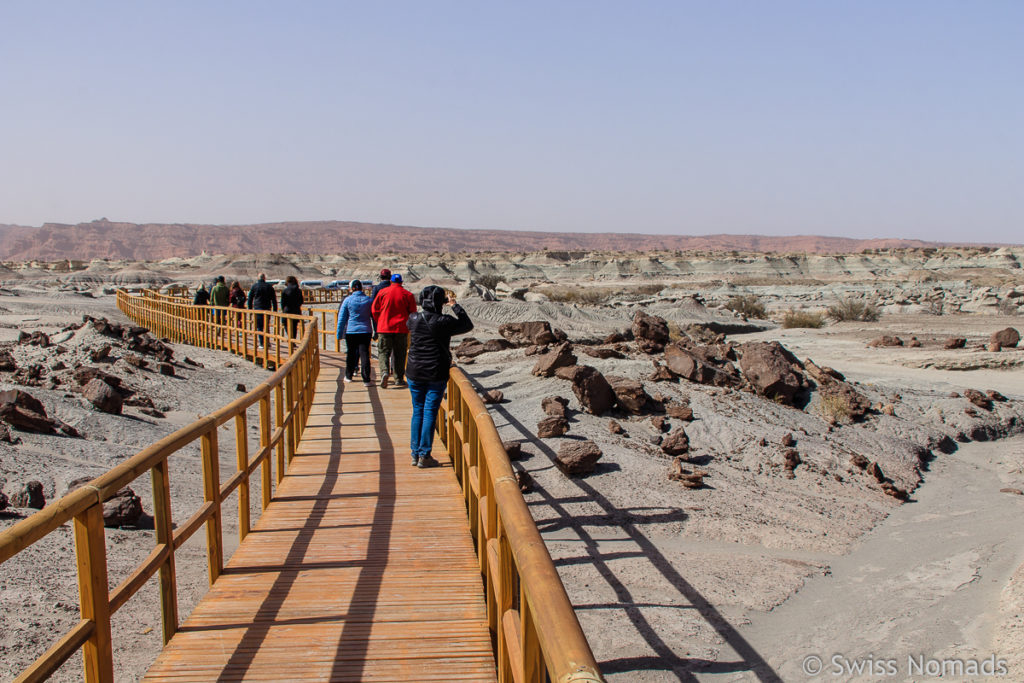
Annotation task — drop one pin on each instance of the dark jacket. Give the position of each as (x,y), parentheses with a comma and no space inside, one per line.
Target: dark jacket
(202,297)
(377,287)
(237,298)
(431,335)
(291,300)
(262,297)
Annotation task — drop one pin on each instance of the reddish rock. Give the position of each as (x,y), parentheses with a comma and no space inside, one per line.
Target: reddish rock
(875,471)
(124,508)
(7,363)
(29,496)
(25,412)
(889,409)
(629,393)
(535,349)
(6,436)
(166,369)
(676,443)
(36,338)
(102,353)
(137,361)
(526,333)
(1016,492)
(103,396)
(618,337)
(492,396)
(615,428)
(578,457)
(513,449)
(691,479)
(996,396)
(551,427)
(595,394)
(559,357)
(3,500)
(661,373)
(979,399)
(1006,338)
(659,423)
(650,327)
(601,352)
(240,388)
(772,371)
(955,343)
(885,340)
(858,460)
(679,411)
(788,440)
(470,348)
(524,480)
(556,406)
(791,458)
(85,374)
(914,343)
(993,347)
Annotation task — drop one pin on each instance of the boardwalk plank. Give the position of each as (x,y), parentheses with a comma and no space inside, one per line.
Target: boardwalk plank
(362,569)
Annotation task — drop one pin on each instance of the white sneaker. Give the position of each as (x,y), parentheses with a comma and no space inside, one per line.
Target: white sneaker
(348,380)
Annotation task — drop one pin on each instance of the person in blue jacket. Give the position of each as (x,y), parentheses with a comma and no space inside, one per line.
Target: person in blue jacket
(355,326)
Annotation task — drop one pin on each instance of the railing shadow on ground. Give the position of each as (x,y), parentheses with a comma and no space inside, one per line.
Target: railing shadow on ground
(665,656)
(370,579)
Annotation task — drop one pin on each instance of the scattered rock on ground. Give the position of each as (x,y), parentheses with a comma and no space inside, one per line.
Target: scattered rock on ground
(552,426)
(29,496)
(1006,338)
(578,457)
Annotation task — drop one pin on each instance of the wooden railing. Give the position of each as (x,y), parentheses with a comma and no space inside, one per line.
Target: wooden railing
(319,295)
(284,402)
(532,622)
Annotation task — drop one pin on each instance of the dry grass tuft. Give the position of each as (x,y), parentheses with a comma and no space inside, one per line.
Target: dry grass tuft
(804,319)
(747,305)
(853,310)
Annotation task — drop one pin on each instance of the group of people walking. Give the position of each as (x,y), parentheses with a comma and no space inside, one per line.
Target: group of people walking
(413,344)
(262,297)
(413,341)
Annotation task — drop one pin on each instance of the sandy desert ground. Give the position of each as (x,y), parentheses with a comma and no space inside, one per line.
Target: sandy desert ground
(790,549)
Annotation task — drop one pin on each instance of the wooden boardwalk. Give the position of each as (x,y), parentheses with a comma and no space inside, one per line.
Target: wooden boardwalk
(361,569)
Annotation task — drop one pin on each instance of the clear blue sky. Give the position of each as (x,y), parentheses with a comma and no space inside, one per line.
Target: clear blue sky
(886,118)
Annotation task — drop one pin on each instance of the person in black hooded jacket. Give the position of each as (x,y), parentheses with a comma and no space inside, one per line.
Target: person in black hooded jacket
(291,302)
(426,369)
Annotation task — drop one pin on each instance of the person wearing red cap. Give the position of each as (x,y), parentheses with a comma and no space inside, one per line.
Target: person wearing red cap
(385,281)
(391,310)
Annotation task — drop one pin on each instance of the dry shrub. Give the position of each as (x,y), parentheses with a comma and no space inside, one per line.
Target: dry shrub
(747,305)
(853,310)
(489,281)
(808,319)
(834,408)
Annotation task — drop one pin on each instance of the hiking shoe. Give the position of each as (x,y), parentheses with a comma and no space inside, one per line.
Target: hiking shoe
(384,381)
(415,461)
(400,382)
(426,461)
(347,380)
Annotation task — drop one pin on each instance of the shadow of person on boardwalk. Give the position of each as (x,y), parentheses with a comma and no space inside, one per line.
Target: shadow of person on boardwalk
(555,514)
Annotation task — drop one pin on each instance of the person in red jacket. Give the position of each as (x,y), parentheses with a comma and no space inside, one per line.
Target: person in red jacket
(391,310)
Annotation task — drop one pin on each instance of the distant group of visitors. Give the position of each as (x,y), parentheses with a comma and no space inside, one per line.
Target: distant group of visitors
(389,315)
(413,342)
(262,297)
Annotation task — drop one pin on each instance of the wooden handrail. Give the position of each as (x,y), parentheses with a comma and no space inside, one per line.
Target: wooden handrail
(297,363)
(537,633)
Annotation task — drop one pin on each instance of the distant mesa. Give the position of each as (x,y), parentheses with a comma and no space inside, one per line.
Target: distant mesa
(110,239)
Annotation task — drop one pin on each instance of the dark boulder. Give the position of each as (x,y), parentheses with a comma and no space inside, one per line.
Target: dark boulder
(536,332)
(578,457)
(595,394)
(676,443)
(772,371)
(1006,338)
(29,496)
(551,427)
(103,396)
(559,357)
(629,393)
(555,406)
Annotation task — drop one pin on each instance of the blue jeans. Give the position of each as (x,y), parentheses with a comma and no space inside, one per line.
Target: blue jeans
(426,400)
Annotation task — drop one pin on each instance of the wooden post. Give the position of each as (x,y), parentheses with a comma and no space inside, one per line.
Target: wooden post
(264,442)
(211,494)
(162,524)
(279,415)
(242,453)
(289,384)
(93,593)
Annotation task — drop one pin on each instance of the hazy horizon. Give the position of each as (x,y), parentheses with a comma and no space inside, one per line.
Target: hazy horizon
(871,120)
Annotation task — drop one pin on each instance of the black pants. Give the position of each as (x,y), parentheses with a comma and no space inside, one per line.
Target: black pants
(259,327)
(293,326)
(357,353)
